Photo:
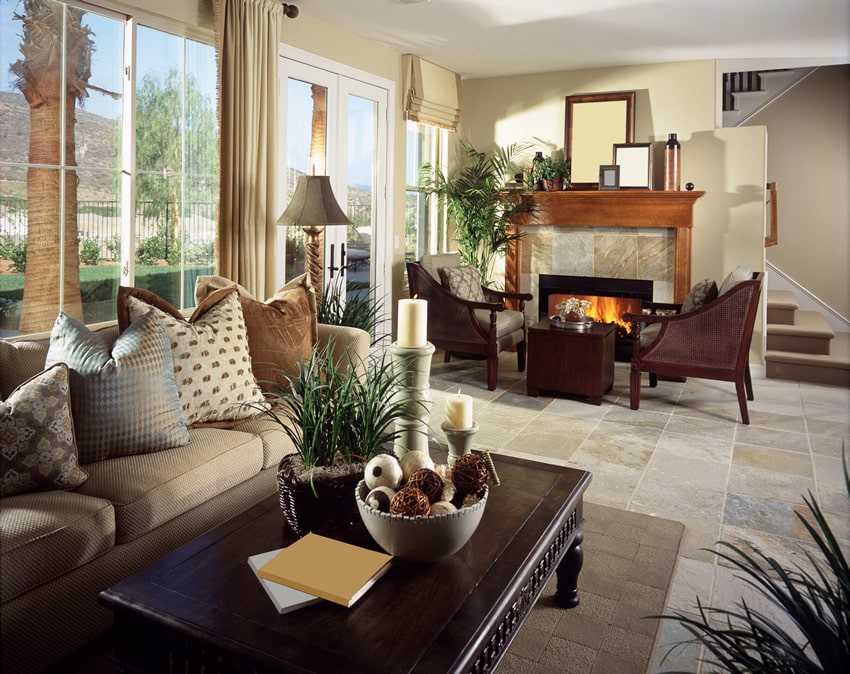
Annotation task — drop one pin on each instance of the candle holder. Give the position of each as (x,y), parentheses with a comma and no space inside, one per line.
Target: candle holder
(414,362)
(459,440)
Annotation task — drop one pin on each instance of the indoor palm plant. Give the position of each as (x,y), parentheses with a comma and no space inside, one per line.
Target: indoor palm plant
(477,202)
(338,414)
(814,603)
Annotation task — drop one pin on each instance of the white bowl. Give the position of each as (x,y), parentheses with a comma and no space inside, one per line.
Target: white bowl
(420,539)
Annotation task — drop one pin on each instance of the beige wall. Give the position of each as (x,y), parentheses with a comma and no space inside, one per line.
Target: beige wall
(809,159)
(729,164)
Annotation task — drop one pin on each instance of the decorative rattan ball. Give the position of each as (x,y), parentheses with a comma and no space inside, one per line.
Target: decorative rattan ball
(410,501)
(470,474)
(428,482)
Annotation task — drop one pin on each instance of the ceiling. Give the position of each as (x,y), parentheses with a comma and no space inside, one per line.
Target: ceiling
(488,38)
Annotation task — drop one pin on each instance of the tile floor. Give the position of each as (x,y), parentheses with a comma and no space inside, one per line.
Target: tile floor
(682,456)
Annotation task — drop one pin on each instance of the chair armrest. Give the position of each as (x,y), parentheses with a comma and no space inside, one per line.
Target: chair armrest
(654,307)
(503,295)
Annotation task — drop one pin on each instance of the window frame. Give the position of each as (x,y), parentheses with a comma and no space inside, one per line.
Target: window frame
(432,144)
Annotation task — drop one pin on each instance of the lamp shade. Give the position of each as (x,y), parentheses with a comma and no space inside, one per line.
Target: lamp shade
(313,203)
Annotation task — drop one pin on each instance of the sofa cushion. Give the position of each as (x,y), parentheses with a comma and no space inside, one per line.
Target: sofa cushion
(47,534)
(124,400)
(702,293)
(37,447)
(736,276)
(18,362)
(281,331)
(276,443)
(463,282)
(150,489)
(212,365)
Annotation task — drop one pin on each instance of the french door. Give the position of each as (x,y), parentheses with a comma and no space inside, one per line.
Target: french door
(336,124)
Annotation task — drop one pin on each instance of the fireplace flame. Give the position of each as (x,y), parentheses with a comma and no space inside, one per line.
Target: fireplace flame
(603,309)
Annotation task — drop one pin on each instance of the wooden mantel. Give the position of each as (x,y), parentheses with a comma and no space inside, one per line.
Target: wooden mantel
(614,208)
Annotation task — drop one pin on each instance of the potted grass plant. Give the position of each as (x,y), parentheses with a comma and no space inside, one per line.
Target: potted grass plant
(338,414)
(357,306)
(808,629)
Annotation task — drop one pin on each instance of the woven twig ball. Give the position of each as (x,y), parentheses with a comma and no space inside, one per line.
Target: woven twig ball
(410,501)
(428,482)
(470,474)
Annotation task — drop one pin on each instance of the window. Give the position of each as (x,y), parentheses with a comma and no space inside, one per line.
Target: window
(424,222)
(126,162)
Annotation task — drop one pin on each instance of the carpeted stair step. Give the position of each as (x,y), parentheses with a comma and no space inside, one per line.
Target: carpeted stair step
(809,334)
(781,306)
(832,369)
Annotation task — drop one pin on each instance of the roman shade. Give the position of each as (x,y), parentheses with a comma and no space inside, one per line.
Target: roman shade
(431,93)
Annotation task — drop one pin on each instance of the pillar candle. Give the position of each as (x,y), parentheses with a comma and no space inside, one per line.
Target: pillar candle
(412,323)
(459,411)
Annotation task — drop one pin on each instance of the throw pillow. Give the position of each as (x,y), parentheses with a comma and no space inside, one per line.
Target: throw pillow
(702,293)
(736,276)
(212,365)
(124,400)
(281,331)
(463,282)
(38,451)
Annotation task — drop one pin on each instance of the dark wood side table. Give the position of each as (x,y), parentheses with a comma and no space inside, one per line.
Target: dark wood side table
(201,608)
(573,362)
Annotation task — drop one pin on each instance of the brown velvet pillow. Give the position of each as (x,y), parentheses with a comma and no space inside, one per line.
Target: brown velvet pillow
(281,331)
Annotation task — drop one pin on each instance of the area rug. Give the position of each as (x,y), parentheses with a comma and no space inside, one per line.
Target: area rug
(629,559)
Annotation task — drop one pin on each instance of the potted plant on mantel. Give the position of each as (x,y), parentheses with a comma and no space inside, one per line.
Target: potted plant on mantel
(554,172)
(478,203)
(338,414)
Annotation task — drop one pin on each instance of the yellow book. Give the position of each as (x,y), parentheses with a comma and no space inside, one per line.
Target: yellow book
(327,568)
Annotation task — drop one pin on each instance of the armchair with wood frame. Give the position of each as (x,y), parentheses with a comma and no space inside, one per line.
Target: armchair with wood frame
(708,342)
(479,328)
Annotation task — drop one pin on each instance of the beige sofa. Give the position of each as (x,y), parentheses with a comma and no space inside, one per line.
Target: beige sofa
(59,549)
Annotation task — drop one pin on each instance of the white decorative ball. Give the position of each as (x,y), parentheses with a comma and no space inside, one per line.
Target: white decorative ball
(413,461)
(379,498)
(449,491)
(383,470)
(442,507)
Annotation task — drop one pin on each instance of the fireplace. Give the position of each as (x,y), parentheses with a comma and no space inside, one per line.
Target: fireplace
(610,298)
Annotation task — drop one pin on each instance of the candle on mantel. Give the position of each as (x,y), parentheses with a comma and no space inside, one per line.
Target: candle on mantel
(412,323)
(459,411)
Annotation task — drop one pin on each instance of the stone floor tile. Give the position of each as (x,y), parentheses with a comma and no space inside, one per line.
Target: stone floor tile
(764,514)
(769,484)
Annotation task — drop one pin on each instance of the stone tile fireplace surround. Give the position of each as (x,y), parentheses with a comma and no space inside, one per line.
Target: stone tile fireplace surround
(615,234)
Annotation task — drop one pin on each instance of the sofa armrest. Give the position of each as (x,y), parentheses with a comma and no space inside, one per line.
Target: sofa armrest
(350,344)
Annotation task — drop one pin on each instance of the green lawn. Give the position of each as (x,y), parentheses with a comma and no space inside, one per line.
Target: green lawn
(99,286)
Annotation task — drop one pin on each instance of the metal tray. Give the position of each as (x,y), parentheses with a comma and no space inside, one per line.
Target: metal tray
(580,326)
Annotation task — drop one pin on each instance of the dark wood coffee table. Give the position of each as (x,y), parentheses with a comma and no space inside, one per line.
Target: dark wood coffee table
(574,362)
(202,609)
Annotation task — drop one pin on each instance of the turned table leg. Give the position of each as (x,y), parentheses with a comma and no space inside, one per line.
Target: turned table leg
(567,572)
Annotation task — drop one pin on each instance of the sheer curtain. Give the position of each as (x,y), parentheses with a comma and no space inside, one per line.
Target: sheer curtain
(248,34)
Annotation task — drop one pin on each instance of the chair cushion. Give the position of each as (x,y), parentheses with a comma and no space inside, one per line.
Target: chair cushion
(506,321)
(45,535)
(282,331)
(148,490)
(736,276)
(703,292)
(38,450)
(463,282)
(212,365)
(124,400)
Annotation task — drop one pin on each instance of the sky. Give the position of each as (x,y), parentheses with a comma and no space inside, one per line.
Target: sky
(157,52)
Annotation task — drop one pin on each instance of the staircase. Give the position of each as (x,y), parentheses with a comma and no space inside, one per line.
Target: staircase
(745,93)
(801,345)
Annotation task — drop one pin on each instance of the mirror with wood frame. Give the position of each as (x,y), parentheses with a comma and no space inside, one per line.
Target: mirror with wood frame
(594,123)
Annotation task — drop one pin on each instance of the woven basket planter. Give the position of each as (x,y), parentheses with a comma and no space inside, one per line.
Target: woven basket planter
(335,506)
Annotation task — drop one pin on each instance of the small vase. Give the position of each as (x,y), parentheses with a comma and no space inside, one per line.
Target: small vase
(672,164)
(554,185)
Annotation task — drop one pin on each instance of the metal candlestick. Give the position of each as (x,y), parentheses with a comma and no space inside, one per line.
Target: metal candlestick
(415,364)
(459,440)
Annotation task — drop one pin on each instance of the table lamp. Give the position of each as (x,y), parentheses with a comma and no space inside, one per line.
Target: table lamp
(312,207)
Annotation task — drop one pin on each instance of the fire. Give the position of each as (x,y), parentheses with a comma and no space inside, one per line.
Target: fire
(603,309)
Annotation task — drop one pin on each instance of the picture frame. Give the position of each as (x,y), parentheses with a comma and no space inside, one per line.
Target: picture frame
(609,177)
(635,162)
(593,123)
